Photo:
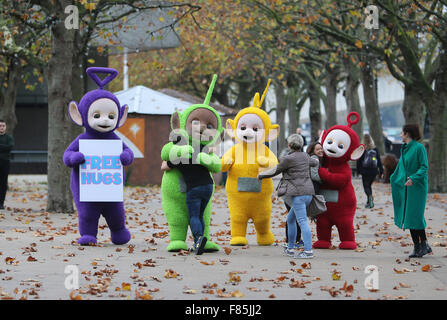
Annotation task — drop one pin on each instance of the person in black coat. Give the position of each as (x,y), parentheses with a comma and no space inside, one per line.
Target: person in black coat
(369,165)
(6,145)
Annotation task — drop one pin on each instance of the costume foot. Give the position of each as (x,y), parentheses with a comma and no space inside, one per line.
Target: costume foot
(348,245)
(265,239)
(86,240)
(322,244)
(120,237)
(238,241)
(177,245)
(211,247)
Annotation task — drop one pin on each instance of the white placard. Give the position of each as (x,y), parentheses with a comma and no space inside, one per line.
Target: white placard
(101,175)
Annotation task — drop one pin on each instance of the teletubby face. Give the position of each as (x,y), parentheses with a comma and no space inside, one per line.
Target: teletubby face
(336,143)
(202,125)
(250,128)
(198,123)
(103,115)
(341,143)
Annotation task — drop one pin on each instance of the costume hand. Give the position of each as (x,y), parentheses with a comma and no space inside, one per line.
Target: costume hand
(185,151)
(262,161)
(126,158)
(77,158)
(228,160)
(164,166)
(203,158)
(409,183)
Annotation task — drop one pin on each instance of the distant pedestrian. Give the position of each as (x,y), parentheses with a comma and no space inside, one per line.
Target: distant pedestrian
(6,145)
(388,143)
(409,187)
(369,165)
(299,131)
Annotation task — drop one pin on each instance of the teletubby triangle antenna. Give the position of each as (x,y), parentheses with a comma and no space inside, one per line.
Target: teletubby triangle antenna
(210,90)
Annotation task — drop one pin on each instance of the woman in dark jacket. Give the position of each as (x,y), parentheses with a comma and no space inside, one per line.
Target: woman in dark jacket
(369,165)
(409,188)
(296,183)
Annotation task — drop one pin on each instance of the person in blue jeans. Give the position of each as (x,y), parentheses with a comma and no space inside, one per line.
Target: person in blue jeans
(197,199)
(199,190)
(296,186)
(298,213)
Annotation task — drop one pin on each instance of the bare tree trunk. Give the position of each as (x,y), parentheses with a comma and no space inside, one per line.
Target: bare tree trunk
(221,94)
(314,111)
(330,105)
(8,99)
(352,95)
(244,96)
(280,114)
(413,106)
(292,109)
(78,78)
(60,126)
(437,173)
(437,155)
(372,105)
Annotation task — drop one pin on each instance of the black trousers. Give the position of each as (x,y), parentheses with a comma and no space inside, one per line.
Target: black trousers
(4,171)
(298,229)
(367,183)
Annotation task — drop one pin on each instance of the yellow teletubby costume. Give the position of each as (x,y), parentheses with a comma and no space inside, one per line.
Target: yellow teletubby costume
(247,196)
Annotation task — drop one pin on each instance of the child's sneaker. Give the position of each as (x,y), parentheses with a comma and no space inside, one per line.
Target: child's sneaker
(305,255)
(289,252)
(199,246)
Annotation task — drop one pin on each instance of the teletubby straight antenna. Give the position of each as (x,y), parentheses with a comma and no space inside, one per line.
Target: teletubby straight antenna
(265,93)
(210,90)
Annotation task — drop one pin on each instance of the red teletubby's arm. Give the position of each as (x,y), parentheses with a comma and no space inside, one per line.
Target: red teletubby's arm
(335,180)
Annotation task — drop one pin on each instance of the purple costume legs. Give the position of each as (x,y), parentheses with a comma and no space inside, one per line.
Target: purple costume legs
(89,214)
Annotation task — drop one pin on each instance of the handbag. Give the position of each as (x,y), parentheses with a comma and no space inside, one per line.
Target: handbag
(316,206)
(281,189)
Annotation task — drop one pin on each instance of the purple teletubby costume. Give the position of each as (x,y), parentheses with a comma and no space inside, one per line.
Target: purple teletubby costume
(100,113)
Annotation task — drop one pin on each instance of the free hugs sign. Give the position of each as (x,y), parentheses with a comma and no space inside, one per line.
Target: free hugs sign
(101,175)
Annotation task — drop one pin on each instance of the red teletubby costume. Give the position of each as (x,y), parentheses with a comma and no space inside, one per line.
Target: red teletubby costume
(340,144)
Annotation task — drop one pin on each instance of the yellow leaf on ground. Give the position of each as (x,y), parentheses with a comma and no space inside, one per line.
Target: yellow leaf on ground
(125,286)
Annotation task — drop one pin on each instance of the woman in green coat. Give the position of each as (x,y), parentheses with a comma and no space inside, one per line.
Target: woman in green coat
(409,187)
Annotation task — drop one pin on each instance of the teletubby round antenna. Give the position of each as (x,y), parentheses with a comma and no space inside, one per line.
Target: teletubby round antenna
(356,119)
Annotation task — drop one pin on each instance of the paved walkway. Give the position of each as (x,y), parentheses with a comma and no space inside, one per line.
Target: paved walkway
(36,247)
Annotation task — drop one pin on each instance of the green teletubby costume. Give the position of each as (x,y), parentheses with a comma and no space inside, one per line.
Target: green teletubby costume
(173,194)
